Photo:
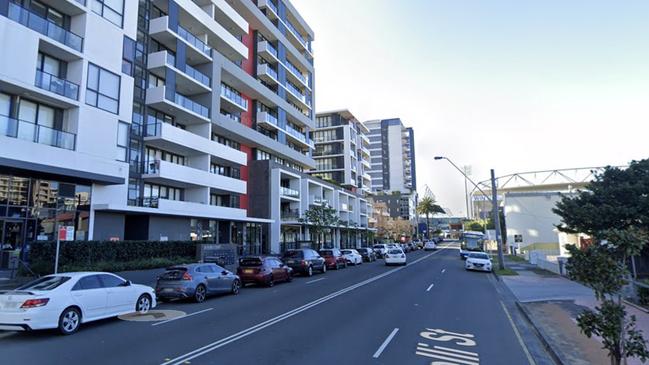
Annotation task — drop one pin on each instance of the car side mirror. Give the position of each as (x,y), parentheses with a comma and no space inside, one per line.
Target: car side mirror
(126,283)
(224,272)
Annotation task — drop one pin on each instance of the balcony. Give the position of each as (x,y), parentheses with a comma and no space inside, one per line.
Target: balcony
(289,193)
(268,51)
(197,51)
(173,139)
(235,117)
(290,215)
(295,74)
(266,73)
(45,27)
(296,95)
(296,35)
(266,119)
(319,201)
(28,131)
(57,85)
(272,9)
(189,81)
(181,107)
(167,173)
(233,98)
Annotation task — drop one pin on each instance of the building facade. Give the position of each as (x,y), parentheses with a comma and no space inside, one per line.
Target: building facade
(141,119)
(342,150)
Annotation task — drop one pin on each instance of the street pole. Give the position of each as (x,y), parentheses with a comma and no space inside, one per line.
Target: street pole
(496,213)
(58,238)
(467,171)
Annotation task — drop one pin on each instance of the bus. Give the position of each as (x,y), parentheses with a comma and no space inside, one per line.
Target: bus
(471,241)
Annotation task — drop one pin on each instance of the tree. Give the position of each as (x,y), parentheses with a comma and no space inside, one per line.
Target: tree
(320,218)
(476,226)
(614,211)
(427,206)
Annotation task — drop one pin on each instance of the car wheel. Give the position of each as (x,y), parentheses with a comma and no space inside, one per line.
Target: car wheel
(200,294)
(309,271)
(143,304)
(324,268)
(289,277)
(271,282)
(345,265)
(69,321)
(236,286)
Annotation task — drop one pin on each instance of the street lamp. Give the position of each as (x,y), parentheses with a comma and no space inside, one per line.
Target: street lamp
(494,204)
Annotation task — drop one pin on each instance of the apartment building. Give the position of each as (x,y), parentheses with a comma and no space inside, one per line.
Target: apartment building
(341,150)
(392,166)
(140,119)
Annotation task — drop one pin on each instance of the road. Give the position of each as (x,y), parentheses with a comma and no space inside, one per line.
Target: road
(430,310)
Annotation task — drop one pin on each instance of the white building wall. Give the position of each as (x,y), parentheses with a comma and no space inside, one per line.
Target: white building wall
(530,215)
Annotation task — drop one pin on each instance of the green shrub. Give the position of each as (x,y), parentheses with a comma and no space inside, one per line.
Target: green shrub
(110,255)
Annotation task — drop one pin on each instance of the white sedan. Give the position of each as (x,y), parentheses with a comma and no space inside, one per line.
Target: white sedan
(352,257)
(395,256)
(64,301)
(478,261)
(430,245)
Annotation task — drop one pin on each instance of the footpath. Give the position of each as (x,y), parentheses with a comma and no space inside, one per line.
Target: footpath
(552,303)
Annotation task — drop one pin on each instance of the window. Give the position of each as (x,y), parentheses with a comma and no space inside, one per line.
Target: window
(128,55)
(122,141)
(88,282)
(102,89)
(111,10)
(50,65)
(162,192)
(111,281)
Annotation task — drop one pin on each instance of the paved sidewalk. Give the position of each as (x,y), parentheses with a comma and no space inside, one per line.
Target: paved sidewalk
(552,303)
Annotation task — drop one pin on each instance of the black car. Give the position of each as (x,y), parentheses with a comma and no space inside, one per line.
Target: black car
(304,261)
(367,253)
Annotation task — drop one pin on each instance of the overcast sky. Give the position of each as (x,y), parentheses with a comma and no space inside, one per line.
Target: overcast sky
(506,84)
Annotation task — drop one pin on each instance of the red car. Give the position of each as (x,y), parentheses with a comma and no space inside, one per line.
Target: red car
(263,270)
(334,259)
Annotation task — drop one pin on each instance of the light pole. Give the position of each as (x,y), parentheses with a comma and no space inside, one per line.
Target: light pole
(494,203)
(467,172)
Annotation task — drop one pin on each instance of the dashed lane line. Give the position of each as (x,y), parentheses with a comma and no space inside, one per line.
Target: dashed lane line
(313,281)
(385,343)
(430,287)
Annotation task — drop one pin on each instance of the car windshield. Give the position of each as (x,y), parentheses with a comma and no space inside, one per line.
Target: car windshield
(482,256)
(175,273)
(379,246)
(46,283)
(293,254)
(250,261)
(346,252)
(395,252)
(326,253)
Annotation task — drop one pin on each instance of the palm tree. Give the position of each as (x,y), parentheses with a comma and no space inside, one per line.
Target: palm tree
(428,206)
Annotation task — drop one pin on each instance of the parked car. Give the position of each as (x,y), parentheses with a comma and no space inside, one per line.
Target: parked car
(304,261)
(65,301)
(263,270)
(412,246)
(352,257)
(395,256)
(196,281)
(430,246)
(404,247)
(334,259)
(367,254)
(380,249)
(478,261)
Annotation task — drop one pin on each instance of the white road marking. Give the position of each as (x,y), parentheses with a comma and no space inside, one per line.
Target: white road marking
(445,353)
(454,360)
(313,281)
(456,351)
(430,287)
(258,327)
(518,335)
(443,271)
(385,343)
(181,317)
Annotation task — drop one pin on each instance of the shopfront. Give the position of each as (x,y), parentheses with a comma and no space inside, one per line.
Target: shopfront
(32,209)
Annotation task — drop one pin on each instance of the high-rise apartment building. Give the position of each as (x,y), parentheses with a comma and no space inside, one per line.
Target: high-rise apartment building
(341,150)
(140,119)
(392,156)
(392,160)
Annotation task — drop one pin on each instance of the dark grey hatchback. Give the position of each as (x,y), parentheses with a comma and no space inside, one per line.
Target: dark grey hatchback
(196,281)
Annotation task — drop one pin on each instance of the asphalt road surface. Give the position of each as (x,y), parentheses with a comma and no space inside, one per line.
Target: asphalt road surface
(430,311)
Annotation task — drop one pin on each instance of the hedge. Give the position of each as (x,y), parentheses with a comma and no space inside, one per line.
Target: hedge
(109,255)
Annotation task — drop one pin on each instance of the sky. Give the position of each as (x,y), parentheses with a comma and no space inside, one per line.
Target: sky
(513,85)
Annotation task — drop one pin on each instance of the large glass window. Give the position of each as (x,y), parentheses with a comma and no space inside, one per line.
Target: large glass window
(102,89)
(122,141)
(111,10)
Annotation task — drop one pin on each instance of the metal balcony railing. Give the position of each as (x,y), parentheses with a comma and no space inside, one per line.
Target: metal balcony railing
(49,82)
(194,41)
(29,131)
